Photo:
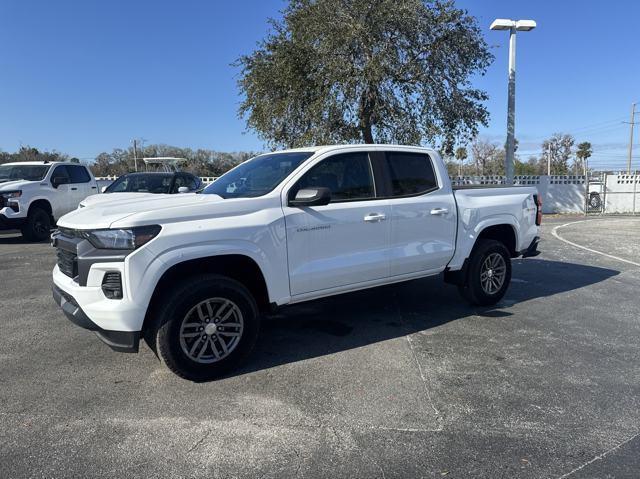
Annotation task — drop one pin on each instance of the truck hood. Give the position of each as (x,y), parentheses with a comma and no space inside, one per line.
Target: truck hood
(111,197)
(12,185)
(138,209)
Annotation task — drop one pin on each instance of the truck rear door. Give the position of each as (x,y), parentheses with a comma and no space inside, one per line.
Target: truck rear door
(81,185)
(423,214)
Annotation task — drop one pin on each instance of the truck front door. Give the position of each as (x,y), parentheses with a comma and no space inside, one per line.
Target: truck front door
(345,242)
(61,194)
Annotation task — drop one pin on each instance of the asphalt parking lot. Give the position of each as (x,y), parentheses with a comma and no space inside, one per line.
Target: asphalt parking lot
(400,381)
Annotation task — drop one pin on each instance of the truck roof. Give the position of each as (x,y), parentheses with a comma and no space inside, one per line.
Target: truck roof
(35,163)
(323,148)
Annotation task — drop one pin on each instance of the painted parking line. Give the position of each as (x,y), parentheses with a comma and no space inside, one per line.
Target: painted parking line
(554,232)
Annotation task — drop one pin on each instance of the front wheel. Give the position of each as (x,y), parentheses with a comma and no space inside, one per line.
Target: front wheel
(38,225)
(488,274)
(207,327)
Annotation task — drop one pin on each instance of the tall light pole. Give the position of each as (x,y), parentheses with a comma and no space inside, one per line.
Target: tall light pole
(512,26)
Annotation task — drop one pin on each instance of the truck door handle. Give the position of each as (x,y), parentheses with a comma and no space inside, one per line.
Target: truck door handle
(74,189)
(439,211)
(375,217)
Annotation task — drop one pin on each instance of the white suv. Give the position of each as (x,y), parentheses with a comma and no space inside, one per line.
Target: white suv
(33,195)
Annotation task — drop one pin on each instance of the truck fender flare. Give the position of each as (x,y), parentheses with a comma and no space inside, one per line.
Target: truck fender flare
(183,253)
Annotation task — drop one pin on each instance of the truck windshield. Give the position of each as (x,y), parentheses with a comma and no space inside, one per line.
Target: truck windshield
(258,176)
(23,172)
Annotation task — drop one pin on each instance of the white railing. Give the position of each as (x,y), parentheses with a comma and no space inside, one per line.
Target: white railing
(205,179)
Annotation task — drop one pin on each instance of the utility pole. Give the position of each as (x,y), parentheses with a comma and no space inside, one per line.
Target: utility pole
(135,154)
(549,159)
(633,116)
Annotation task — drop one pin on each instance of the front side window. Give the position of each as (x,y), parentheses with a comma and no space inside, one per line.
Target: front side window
(61,172)
(193,182)
(411,173)
(258,176)
(348,176)
(23,172)
(178,183)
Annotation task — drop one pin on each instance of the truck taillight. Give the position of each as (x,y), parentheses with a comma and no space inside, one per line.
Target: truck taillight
(538,201)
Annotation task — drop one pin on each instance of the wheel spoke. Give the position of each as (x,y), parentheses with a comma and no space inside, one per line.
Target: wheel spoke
(191,335)
(222,308)
(214,349)
(194,346)
(201,314)
(227,315)
(231,325)
(223,344)
(203,348)
(191,325)
(230,333)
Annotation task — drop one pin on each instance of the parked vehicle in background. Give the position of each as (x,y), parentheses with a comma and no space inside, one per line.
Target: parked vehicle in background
(192,273)
(33,195)
(147,182)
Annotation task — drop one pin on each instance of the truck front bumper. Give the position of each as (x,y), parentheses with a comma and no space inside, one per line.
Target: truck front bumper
(122,341)
(10,219)
(532,250)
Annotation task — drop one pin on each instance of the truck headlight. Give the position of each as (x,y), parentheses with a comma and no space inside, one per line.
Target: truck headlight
(11,194)
(126,238)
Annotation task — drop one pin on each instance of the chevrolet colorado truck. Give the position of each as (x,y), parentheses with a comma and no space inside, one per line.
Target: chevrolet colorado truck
(34,194)
(192,273)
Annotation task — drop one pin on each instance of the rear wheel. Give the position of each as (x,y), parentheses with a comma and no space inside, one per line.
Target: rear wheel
(206,327)
(38,225)
(488,274)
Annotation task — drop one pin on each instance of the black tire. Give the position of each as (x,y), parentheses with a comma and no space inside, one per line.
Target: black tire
(177,308)
(473,290)
(38,225)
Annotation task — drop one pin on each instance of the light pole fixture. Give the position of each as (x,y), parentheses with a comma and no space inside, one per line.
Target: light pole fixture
(512,26)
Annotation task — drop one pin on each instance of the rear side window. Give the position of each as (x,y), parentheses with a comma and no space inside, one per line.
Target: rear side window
(78,174)
(410,173)
(347,175)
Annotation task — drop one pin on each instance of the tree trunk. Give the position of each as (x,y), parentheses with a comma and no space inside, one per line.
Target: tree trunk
(367,135)
(367,104)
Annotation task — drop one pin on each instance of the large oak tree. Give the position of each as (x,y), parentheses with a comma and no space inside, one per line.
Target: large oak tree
(333,71)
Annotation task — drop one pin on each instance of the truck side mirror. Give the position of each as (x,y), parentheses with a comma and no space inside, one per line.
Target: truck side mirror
(59,180)
(313,196)
(184,189)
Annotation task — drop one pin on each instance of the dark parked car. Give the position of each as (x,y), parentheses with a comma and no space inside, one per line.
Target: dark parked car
(177,182)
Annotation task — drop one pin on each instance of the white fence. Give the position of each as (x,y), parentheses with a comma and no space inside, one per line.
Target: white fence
(560,194)
(619,194)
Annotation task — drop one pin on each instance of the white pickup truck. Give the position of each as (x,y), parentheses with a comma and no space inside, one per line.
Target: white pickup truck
(192,273)
(34,194)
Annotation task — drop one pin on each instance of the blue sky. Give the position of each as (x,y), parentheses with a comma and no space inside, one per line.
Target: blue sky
(85,77)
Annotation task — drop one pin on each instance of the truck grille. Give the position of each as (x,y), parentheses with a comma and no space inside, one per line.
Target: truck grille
(67,262)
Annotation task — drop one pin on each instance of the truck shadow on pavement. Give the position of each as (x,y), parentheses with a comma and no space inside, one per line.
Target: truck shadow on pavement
(353,320)
(13,237)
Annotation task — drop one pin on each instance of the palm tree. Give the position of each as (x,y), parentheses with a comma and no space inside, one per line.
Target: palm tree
(461,155)
(583,154)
